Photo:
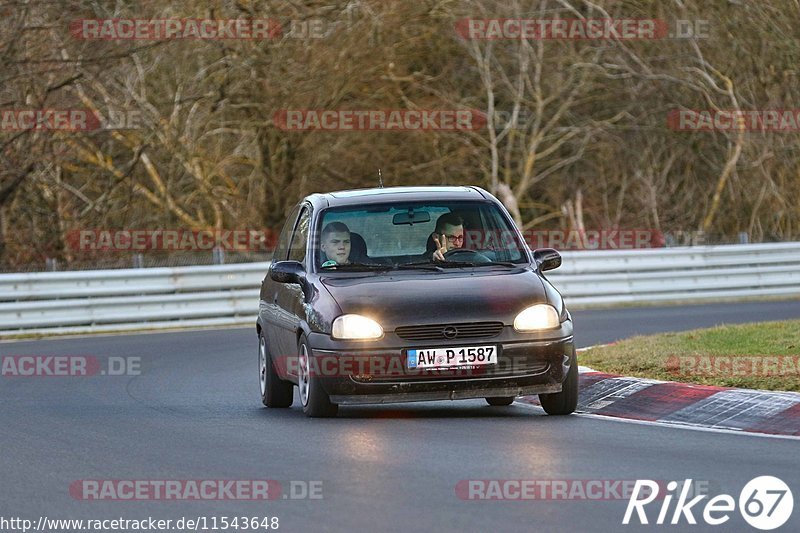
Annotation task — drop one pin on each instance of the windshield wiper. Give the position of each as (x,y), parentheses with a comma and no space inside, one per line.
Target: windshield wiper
(457,264)
(498,263)
(422,265)
(355,267)
(462,264)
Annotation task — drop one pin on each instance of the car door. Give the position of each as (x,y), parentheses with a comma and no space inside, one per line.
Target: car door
(268,304)
(290,298)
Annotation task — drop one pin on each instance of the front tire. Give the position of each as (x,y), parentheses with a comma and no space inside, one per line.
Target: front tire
(315,401)
(566,401)
(275,392)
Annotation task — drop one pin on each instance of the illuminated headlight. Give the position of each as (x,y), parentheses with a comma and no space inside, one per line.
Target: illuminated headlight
(537,317)
(356,327)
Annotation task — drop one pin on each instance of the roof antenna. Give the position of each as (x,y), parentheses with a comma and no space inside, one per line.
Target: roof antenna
(380,178)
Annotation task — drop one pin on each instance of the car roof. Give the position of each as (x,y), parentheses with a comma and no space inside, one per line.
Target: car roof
(394,194)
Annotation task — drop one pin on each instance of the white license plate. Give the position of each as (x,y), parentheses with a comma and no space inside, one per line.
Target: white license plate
(452,357)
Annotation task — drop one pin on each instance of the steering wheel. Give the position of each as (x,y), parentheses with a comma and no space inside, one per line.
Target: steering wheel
(463,254)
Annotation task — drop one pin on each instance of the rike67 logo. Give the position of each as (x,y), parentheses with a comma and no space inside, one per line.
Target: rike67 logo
(765,503)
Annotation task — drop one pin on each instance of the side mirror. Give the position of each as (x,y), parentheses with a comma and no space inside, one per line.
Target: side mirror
(287,272)
(547,259)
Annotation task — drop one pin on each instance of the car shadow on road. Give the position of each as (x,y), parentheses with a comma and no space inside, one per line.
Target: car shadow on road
(423,410)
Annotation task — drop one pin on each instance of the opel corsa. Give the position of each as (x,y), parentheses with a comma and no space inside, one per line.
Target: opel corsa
(411,294)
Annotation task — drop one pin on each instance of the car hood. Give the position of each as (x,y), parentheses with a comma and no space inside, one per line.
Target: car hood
(417,298)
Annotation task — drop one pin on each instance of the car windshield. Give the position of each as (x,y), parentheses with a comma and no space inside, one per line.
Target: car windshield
(404,236)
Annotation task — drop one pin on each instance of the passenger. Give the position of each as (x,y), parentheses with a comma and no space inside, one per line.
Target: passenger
(448,235)
(335,243)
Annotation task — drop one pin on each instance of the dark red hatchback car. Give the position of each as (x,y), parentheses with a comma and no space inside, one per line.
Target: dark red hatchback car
(411,294)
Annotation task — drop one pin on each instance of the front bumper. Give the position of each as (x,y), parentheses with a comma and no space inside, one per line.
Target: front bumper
(525,365)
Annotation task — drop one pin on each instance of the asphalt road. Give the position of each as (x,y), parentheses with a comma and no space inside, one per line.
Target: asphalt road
(194,413)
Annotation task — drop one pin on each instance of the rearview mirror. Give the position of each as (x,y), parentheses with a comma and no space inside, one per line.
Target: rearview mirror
(547,259)
(287,272)
(411,217)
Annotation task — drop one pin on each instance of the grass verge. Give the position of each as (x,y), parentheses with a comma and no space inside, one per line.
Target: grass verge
(765,355)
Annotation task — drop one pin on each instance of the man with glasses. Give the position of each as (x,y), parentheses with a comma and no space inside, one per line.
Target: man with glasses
(448,235)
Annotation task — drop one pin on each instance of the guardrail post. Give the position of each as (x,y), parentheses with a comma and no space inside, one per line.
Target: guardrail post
(218,256)
(51,264)
(138,261)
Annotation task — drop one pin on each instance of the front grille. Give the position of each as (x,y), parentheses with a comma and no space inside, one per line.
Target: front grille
(470,330)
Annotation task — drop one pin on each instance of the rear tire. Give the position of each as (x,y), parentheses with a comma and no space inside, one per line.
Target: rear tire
(275,392)
(566,401)
(500,401)
(315,401)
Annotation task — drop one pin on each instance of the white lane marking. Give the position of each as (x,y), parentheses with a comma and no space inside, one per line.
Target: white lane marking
(673,425)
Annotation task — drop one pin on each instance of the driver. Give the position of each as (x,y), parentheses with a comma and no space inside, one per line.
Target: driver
(336,244)
(448,235)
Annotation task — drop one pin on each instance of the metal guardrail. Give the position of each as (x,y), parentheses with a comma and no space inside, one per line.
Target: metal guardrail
(142,298)
(679,274)
(153,298)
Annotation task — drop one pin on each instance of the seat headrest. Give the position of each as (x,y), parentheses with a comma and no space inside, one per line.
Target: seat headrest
(358,247)
(430,246)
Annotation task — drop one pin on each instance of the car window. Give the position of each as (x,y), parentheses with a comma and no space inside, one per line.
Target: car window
(297,250)
(282,248)
(401,232)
